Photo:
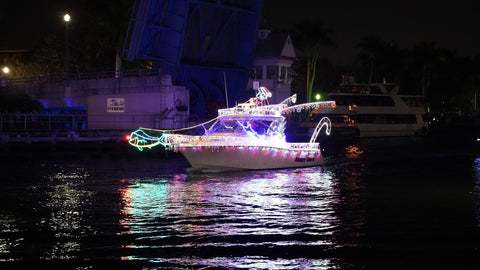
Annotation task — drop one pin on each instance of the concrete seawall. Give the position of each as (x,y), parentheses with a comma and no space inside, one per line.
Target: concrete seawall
(53,137)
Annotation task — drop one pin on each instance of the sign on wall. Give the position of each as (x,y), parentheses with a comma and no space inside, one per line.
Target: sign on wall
(116,105)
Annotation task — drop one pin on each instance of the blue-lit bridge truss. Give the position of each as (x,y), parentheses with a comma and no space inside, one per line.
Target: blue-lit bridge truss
(205,45)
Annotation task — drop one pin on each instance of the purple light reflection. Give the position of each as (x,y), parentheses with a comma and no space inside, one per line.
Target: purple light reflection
(246,210)
(476,190)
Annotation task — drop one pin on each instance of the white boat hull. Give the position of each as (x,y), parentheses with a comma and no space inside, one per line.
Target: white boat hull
(250,158)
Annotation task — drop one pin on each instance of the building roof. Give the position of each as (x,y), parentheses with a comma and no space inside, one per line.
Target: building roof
(274,44)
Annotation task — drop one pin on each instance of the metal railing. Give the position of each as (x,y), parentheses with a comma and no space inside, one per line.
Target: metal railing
(42,122)
(72,122)
(58,77)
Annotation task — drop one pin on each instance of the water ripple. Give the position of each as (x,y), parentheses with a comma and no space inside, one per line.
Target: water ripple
(271,210)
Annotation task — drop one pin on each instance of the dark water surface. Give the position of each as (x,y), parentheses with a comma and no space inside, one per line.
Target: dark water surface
(405,203)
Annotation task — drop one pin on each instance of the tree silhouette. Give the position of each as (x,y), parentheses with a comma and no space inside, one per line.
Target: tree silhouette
(96,34)
(426,57)
(371,52)
(309,38)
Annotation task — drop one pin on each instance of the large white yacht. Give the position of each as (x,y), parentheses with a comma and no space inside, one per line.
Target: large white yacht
(378,110)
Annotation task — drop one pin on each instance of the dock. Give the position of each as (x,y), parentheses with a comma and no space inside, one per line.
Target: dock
(62,136)
(54,128)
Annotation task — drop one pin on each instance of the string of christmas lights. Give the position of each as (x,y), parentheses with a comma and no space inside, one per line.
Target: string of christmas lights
(238,127)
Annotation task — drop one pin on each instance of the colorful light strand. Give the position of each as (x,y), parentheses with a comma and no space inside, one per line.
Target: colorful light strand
(233,128)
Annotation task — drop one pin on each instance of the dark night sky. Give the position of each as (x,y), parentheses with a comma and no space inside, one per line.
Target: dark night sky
(453,25)
(450,24)
(23,23)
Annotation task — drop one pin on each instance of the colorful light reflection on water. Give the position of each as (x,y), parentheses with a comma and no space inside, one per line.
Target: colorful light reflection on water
(252,211)
(393,205)
(476,190)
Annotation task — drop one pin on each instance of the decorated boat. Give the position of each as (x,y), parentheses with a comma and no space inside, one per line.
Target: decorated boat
(249,136)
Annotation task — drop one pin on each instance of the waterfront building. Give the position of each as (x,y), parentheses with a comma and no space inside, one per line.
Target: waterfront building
(274,56)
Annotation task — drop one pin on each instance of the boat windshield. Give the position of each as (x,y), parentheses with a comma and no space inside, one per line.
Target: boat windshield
(251,127)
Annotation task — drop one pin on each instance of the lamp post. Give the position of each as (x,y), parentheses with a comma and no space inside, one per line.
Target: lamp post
(66,18)
(3,80)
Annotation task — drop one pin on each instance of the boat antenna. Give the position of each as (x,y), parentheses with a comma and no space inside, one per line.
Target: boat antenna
(226,92)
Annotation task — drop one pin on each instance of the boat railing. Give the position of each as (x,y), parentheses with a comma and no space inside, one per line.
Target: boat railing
(309,106)
(303,146)
(179,140)
(266,110)
(260,110)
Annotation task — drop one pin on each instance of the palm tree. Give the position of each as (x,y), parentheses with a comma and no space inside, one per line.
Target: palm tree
(475,79)
(372,52)
(427,57)
(309,38)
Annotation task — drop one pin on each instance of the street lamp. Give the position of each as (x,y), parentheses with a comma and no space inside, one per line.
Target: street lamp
(66,18)
(3,81)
